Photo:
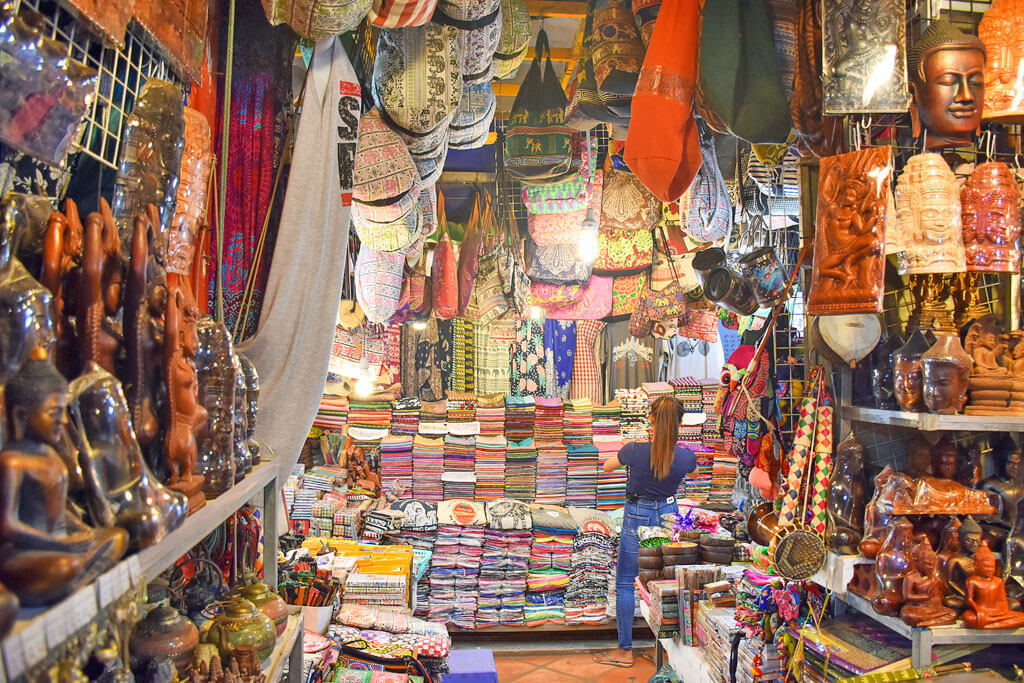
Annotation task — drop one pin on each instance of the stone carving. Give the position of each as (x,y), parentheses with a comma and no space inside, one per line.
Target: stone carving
(987,606)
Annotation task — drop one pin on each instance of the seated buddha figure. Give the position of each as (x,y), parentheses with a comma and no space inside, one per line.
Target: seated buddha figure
(986,596)
(990,212)
(961,565)
(928,233)
(46,551)
(922,591)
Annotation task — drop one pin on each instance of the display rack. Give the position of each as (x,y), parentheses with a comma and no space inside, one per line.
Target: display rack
(41,630)
(288,649)
(931,422)
(687,661)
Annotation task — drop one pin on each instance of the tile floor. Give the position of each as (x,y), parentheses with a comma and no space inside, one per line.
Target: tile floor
(570,668)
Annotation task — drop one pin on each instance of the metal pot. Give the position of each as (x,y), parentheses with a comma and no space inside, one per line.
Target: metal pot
(243,633)
(164,634)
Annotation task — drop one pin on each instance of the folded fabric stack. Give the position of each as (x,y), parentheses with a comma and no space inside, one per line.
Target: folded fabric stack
(300,503)
(723,476)
(636,407)
(346,523)
(369,413)
(657,390)
(548,420)
(606,419)
(490,467)
(433,418)
(405,416)
(581,486)
(385,629)
(396,462)
(579,420)
(709,393)
(542,608)
(386,591)
(461,407)
(459,470)
(698,482)
(490,413)
(611,486)
(550,562)
(455,565)
(521,470)
(593,559)
(333,412)
(519,417)
(427,468)
(689,392)
(419,530)
(505,560)
(552,467)
(321,522)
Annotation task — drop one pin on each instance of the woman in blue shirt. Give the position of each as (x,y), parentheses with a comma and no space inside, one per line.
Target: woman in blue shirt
(655,470)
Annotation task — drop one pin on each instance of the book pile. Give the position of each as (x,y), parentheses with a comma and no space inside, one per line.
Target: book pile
(552,467)
(490,467)
(766,658)
(611,486)
(581,489)
(519,413)
(405,416)
(664,604)
(521,470)
(459,468)
(427,468)
(396,462)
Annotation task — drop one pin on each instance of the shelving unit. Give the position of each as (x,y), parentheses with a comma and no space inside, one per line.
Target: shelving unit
(41,630)
(922,640)
(931,422)
(288,649)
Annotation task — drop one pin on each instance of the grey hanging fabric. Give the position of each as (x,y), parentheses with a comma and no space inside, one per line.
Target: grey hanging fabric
(292,347)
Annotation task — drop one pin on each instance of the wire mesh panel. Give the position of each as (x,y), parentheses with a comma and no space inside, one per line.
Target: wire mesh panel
(121,75)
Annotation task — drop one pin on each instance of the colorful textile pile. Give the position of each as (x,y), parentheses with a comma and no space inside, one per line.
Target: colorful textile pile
(461,407)
(346,523)
(459,469)
(552,468)
(369,413)
(547,427)
(698,482)
(550,563)
(581,486)
(521,470)
(606,419)
(419,530)
(333,412)
(427,468)
(709,393)
(519,413)
(490,413)
(611,486)
(405,416)
(503,577)
(688,391)
(433,417)
(636,408)
(490,467)
(396,462)
(579,420)
(383,590)
(593,559)
(454,570)
(723,476)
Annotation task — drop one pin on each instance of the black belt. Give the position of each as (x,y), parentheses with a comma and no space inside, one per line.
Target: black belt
(636,498)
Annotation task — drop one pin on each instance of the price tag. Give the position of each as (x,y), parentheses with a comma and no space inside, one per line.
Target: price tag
(82,607)
(58,626)
(135,571)
(14,656)
(33,642)
(105,585)
(122,580)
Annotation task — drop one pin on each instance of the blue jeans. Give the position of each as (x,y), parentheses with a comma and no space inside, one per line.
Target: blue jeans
(646,512)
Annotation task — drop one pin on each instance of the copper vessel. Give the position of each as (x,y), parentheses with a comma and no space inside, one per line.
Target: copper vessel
(164,634)
(243,633)
(268,602)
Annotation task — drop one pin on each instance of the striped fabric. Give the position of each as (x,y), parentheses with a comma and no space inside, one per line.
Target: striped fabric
(401,13)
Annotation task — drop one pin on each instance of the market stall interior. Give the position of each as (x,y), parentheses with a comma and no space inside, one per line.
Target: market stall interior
(333,334)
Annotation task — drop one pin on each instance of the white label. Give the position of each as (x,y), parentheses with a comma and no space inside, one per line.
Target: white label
(33,642)
(122,580)
(57,627)
(105,586)
(14,656)
(82,607)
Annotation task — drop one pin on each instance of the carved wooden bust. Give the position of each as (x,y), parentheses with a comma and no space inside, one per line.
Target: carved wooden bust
(944,371)
(990,206)
(929,237)
(1000,30)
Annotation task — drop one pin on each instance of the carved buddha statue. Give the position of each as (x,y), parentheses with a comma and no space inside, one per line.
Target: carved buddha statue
(987,606)
(970,469)
(186,416)
(947,81)
(120,488)
(1008,487)
(47,552)
(878,513)
(99,291)
(892,564)
(919,456)
(846,498)
(252,399)
(922,591)
(966,292)
(990,206)
(62,252)
(928,231)
(216,376)
(945,368)
(961,565)
(948,549)
(1000,29)
(906,363)
(882,380)
(985,342)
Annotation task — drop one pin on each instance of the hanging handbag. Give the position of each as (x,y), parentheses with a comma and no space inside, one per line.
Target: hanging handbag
(472,122)
(645,13)
(379,282)
(416,78)
(545,295)
(618,52)
(557,264)
(538,146)
(705,212)
(362,655)
(623,251)
(549,229)
(626,204)
(586,108)
(515,38)
(444,272)
(593,303)
(627,294)
(469,255)
(568,195)
(479,29)
(317,19)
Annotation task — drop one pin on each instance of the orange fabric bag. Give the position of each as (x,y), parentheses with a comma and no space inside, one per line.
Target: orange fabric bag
(662,147)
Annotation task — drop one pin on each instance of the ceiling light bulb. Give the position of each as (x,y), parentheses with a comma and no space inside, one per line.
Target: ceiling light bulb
(536,313)
(419,325)
(364,387)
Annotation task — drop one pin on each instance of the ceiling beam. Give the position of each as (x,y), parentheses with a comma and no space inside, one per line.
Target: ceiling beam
(557,8)
(558,54)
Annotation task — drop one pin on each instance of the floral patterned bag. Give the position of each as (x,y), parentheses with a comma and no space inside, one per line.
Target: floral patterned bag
(626,203)
(545,295)
(549,229)
(317,19)
(515,38)
(557,264)
(627,294)
(623,251)
(479,29)
(568,195)
(378,277)
(593,303)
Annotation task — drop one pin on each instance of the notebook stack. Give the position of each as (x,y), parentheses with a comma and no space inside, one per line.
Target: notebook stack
(396,462)
(552,467)
(611,486)
(490,467)
(548,426)
(579,420)
(581,489)
(427,468)
(459,468)
(405,416)
(521,470)
(519,414)
(715,628)
(635,406)
(333,412)
(593,559)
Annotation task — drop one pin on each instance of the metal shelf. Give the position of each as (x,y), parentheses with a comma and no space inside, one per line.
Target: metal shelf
(931,422)
(40,630)
(288,648)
